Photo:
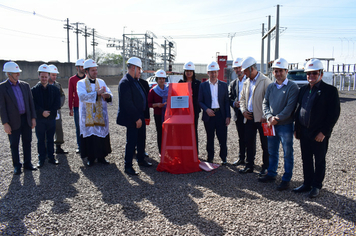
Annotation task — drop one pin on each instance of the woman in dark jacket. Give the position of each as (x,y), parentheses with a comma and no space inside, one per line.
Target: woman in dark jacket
(189,76)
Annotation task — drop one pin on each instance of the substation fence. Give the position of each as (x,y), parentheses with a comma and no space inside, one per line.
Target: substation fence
(345,82)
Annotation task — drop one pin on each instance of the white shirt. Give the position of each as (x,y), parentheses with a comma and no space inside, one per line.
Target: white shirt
(279,86)
(214,94)
(84,98)
(252,88)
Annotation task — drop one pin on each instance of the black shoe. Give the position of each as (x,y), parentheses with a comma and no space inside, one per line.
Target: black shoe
(224,163)
(302,188)
(263,172)
(145,164)
(103,161)
(284,185)
(77,150)
(266,179)
(53,161)
(30,167)
(246,170)
(209,160)
(17,171)
(239,162)
(59,150)
(130,171)
(90,163)
(40,164)
(314,192)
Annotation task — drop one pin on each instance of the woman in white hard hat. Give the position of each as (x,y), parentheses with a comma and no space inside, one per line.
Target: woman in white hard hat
(189,76)
(157,99)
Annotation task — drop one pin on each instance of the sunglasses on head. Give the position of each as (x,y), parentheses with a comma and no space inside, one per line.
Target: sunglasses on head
(313,73)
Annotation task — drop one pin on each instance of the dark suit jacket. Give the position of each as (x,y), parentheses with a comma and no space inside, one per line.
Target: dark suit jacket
(233,97)
(324,113)
(205,99)
(130,103)
(9,111)
(146,88)
(195,89)
(54,100)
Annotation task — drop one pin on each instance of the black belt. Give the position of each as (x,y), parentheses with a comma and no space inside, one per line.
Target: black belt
(215,109)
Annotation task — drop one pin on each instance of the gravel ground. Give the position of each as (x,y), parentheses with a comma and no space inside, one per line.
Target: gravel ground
(72,199)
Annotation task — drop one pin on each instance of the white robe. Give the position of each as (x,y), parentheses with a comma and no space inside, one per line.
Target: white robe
(84,98)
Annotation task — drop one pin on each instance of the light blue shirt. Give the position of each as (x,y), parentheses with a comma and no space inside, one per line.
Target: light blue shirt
(241,84)
(279,86)
(252,88)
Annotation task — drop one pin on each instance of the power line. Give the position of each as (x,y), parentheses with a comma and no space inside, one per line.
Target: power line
(41,35)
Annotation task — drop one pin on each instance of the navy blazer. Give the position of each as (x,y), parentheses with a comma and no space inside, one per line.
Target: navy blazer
(9,111)
(146,88)
(130,103)
(54,102)
(223,99)
(324,113)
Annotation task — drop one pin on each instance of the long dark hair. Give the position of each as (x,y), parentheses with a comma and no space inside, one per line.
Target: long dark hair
(185,77)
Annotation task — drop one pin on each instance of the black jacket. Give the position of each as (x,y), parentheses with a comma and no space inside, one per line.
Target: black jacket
(54,100)
(146,88)
(324,113)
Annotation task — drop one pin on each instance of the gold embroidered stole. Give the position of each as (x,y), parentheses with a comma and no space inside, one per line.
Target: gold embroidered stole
(96,108)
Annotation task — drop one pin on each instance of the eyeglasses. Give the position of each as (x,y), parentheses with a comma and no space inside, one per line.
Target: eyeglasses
(313,73)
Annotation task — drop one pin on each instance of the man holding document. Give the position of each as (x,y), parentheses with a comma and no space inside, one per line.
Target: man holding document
(278,107)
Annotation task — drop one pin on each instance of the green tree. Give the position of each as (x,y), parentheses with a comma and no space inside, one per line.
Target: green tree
(106,58)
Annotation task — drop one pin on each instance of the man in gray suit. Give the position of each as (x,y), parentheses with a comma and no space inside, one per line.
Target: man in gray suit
(214,100)
(18,115)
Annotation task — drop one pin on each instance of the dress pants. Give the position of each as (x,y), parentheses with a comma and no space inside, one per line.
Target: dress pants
(196,119)
(58,136)
(26,132)
(251,129)
(240,126)
(159,122)
(216,124)
(45,129)
(135,137)
(313,176)
(77,126)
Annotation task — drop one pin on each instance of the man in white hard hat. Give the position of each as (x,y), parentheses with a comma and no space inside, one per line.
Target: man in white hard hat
(235,89)
(278,108)
(94,95)
(18,115)
(317,112)
(252,95)
(131,114)
(58,141)
(214,100)
(73,100)
(47,101)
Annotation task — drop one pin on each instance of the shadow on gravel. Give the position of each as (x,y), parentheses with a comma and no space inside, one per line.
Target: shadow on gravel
(343,100)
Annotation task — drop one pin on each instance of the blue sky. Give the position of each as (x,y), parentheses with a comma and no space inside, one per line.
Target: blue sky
(199,28)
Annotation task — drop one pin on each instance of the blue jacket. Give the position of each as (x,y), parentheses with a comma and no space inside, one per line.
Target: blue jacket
(130,103)
(205,99)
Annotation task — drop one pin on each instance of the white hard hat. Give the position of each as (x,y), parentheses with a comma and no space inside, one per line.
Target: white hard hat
(280,63)
(53,69)
(44,68)
(313,64)
(89,63)
(80,62)
(189,66)
(249,61)
(237,62)
(11,67)
(213,66)
(135,61)
(161,74)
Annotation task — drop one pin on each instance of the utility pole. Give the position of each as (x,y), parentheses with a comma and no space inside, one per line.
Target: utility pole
(277,34)
(86,35)
(68,27)
(93,43)
(165,56)
(262,69)
(269,43)
(77,31)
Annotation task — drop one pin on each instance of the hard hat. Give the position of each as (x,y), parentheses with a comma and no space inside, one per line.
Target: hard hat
(53,69)
(80,62)
(161,74)
(189,66)
(280,63)
(237,62)
(89,63)
(213,66)
(11,67)
(249,61)
(313,64)
(135,61)
(44,68)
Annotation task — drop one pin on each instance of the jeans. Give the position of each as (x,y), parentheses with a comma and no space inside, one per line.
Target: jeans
(45,129)
(284,135)
(77,127)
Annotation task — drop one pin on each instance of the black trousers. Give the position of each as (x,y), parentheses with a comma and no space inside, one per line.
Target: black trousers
(159,122)
(240,126)
(313,154)
(251,129)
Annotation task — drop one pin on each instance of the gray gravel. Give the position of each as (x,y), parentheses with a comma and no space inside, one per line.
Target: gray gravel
(71,199)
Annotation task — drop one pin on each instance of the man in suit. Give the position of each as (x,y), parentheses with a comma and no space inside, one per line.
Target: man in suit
(252,96)
(317,112)
(235,89)
(131,114)
(47,101)
(146,87)
(214,100)
(18,116)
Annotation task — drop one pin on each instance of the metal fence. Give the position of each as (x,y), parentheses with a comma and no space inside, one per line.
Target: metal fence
(345,82)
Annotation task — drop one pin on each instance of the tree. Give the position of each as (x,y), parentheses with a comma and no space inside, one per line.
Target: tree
(107,58)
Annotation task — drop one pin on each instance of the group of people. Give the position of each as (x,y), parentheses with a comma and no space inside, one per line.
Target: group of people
(309,114)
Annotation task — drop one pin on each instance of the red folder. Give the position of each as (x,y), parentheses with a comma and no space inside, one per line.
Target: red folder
(268,130)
